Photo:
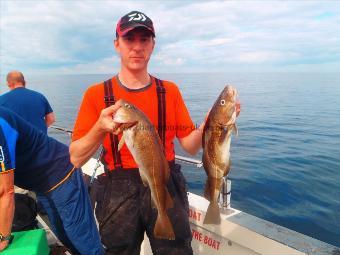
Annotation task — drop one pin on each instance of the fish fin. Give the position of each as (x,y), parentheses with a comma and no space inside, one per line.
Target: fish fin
(235,129)
(227,169)
(153,204)
(121,142)
(117,130)
(213,214)
(163,228)
(144,179)
(207,190)
(223,136)
(169,200)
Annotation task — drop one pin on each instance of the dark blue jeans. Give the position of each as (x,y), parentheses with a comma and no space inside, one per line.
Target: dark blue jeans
(69,210)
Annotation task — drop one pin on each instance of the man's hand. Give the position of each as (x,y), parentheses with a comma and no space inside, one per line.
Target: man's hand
(3,245)
(82,149)
(105,120)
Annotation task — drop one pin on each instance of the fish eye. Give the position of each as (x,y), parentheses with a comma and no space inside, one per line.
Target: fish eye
(127,105)
(222,102)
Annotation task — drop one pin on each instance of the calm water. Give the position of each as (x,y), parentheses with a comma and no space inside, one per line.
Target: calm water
(285,161)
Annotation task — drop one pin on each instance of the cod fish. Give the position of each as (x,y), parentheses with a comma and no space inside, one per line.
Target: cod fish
(216,140)
(147,150)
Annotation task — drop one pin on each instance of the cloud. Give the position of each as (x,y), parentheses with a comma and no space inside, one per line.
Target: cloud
(193,36)
(101,66)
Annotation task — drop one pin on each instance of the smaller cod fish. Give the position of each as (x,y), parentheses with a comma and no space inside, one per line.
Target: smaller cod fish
(216,140)
(143,141)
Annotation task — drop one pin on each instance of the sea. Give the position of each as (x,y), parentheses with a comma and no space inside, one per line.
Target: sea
(286,157)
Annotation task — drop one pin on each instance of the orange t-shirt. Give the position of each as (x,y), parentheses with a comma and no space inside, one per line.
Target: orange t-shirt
(178,121)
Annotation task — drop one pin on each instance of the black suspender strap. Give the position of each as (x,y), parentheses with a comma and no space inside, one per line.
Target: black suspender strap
(109,100)
(161,110)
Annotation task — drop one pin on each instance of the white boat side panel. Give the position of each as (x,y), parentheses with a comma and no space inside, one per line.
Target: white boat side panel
(230,235)
(208,243)
(284,235)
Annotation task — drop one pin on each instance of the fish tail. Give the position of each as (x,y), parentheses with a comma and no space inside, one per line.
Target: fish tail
(213,214)
(169,201)
(163,228)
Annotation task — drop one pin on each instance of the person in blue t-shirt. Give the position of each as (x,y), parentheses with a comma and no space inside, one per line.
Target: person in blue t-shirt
(32,160)
(29,104)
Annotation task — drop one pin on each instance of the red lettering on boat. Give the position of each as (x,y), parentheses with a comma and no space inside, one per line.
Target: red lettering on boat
(194,215)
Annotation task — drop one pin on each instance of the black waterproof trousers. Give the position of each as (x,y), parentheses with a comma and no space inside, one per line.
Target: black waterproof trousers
(125,213)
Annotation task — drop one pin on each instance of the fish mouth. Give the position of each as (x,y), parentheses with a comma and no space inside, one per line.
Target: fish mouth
(121,127)
(232,119)
(227,121)
(228,126)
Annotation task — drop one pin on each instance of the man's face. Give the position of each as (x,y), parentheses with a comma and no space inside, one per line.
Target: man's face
(135,49)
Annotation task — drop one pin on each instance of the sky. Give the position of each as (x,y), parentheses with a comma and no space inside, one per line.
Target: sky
(76,37)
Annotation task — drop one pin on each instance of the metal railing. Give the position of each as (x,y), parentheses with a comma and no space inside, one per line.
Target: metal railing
(187,160)
(68,131)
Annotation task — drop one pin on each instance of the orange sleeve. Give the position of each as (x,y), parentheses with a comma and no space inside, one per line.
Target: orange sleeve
(88,113)
(184,124)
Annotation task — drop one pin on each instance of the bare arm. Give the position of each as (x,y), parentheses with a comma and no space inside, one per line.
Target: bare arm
(82,149)
(6,205)
(192,142)
(49,119)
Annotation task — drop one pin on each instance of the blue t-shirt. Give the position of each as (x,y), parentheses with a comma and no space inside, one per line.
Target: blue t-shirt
(39,162)
(29,104)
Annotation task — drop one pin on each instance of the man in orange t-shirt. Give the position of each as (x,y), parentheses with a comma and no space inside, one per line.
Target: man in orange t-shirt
(125,212)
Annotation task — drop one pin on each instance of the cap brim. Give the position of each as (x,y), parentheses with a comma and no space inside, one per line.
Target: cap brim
(122,33)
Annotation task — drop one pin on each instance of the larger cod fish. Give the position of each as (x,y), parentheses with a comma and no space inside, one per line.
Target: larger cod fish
(216,140)
(144,143)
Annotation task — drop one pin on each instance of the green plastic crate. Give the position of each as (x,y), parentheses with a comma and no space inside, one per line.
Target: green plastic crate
(32,242)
